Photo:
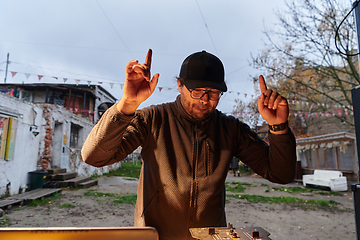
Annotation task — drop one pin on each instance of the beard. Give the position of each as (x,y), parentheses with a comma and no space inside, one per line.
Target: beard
(199,110)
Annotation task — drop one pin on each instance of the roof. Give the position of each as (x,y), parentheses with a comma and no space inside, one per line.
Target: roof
(62,87)
(326,138)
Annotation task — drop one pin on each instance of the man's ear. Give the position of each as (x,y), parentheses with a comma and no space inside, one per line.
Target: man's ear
(180,85)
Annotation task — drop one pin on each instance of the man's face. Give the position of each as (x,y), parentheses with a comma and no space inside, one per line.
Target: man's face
(199,109)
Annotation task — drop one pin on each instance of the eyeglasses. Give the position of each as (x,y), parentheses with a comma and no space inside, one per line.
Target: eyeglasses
(199,93)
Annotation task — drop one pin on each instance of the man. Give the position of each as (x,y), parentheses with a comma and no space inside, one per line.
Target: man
(235,166)
(188,145)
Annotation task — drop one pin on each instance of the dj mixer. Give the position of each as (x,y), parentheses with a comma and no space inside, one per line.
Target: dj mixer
(222,233)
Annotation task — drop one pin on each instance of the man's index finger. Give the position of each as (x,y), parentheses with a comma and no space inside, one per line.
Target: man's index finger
(148,58)
(263,87)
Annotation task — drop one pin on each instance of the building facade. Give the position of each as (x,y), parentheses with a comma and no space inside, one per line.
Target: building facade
(44,127)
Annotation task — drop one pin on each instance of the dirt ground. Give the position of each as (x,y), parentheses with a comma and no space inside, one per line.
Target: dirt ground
(281,221)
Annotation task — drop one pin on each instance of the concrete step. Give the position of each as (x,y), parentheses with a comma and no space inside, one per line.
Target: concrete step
(76,181)
(57,170)
(88,184)
(73,182)
(64,176)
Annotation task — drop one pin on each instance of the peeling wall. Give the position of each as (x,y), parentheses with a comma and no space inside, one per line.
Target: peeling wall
(50,148)
(14,173)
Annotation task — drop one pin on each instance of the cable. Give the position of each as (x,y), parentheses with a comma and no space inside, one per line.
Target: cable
(114,28)
(206,27)
(338,28)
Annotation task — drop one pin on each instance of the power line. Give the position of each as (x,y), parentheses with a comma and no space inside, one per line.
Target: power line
(212,41)
(237,69)
(112,25)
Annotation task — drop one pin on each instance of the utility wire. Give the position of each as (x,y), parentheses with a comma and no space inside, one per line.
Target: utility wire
(212,41)
(237,69)
(112,25)
(338,29)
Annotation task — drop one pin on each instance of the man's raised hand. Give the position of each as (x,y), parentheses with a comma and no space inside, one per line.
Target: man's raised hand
(138,86)
(272,106)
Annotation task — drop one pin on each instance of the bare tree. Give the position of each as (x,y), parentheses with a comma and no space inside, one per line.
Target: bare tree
(301,61)
(247,112)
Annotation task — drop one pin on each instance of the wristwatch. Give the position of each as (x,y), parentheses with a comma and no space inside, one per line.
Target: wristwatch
(279,127)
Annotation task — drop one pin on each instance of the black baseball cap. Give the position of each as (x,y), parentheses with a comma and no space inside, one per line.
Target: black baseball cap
(201,70)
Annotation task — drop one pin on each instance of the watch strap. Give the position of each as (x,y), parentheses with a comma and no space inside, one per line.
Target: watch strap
(279,127)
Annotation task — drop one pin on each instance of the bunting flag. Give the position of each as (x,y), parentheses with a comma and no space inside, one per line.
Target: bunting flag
(27,75)
(333,109)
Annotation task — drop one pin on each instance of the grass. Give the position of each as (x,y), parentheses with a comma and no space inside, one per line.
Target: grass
(44,201)
(293,201)
(306,190)
(4,221)
(95,176)
(99,194)
(236,187)
(66,205)
(129,169)
(127,199)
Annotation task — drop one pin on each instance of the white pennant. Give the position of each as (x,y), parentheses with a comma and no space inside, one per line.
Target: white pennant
(77,82)
(27,75)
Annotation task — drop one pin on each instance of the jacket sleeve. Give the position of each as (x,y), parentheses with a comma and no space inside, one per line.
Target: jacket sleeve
(276,161)
(107,142)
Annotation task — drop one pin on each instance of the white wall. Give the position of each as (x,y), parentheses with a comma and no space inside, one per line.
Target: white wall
(14,173)
(30,149)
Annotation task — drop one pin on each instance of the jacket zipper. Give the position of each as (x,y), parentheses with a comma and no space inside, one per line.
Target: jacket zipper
(207,157)
(193,187)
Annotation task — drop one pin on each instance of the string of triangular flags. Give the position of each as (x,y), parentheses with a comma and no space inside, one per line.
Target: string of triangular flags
(300,104)
(335,112)
(111,83)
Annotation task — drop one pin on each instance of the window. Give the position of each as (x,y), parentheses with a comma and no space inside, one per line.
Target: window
(330,158)
(321,152)
(304,161)
(75,136)
(26,96)
(346,157)
(313,158)
(7,137)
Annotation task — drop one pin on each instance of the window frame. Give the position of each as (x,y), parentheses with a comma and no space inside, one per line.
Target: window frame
(7,147)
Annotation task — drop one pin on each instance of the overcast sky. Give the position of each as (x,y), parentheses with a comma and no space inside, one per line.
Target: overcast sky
(91,41)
